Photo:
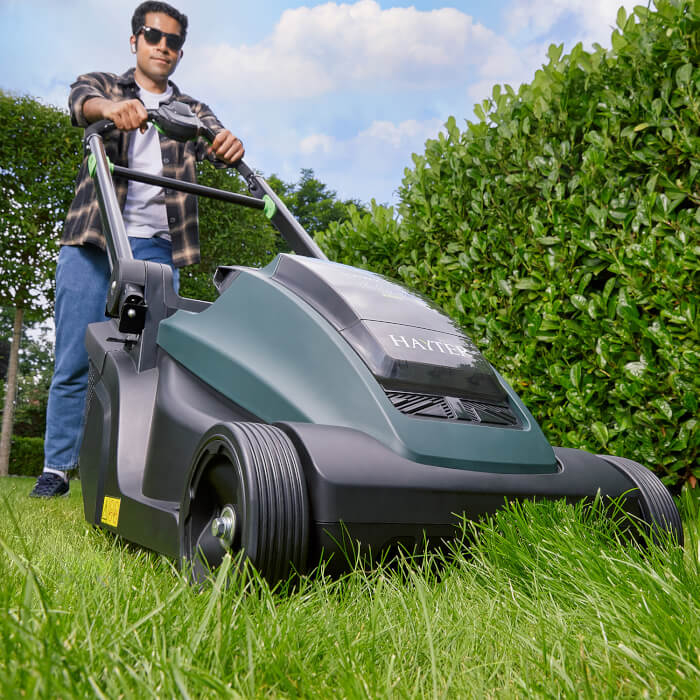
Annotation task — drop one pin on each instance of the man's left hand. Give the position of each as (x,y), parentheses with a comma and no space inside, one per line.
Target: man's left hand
(227,147)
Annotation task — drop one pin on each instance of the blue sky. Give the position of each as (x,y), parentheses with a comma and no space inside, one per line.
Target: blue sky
(349,89)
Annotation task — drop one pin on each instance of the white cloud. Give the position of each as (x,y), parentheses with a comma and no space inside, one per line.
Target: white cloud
(593,19)
(379,152)
(340,47)
(380,137)
(509,66)
(316,143)
(531,26)
(387,135)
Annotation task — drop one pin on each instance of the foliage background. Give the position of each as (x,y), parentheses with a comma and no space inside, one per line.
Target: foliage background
(561,231)
(39,155)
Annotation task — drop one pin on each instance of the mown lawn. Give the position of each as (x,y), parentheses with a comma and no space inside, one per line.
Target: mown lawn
(546,602)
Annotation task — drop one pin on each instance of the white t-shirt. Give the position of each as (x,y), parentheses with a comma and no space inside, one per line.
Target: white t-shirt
(144,211)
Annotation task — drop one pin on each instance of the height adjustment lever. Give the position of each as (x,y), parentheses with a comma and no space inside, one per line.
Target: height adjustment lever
(125,298)
(132,316)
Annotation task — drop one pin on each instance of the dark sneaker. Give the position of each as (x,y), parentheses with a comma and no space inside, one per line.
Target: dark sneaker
(49,485)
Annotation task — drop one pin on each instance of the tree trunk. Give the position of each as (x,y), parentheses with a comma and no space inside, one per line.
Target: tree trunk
(8,412)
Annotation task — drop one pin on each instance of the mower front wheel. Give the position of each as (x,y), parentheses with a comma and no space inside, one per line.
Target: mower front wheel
(247,492)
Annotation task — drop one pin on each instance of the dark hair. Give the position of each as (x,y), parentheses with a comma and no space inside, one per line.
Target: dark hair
(139,18)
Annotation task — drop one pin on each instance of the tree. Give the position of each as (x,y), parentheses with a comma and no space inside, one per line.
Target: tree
(229,234)
(4,357)
(39,156)
(313,203)
(35,374)
(234,235)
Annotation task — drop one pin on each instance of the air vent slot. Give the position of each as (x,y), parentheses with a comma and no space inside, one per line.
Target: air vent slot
(421,405)
(451,408)
(485,413)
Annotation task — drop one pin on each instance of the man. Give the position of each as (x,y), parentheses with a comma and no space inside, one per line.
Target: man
(161,225)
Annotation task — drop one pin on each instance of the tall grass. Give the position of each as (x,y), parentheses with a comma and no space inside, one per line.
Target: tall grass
(546,601)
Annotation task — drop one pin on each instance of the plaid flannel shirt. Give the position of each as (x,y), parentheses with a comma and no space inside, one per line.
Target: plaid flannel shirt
(83,224)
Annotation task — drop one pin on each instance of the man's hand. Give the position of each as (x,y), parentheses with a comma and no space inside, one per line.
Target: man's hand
(127,115)
(227,147)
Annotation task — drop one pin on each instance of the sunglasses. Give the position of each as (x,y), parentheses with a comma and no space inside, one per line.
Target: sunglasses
(153,36)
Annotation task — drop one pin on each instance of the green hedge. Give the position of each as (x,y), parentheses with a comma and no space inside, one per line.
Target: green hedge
(561,231)
(27,456)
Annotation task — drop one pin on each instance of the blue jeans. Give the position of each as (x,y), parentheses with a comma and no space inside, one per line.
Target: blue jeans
(82,278)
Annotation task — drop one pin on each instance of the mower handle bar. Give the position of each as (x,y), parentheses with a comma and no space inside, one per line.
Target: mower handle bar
(176,121)
(188,127)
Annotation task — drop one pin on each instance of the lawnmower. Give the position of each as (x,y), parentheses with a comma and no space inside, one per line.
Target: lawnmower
(312,407)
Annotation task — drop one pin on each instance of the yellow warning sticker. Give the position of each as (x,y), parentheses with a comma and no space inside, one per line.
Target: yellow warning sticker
(110,511)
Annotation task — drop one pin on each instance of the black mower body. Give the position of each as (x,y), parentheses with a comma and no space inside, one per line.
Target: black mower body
(332,356)
(312,409)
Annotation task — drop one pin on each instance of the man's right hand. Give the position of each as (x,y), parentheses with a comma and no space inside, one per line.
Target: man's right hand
(127,115)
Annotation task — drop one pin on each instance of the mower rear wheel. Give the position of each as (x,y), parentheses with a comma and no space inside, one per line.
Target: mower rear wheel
(247,493)
(658,509)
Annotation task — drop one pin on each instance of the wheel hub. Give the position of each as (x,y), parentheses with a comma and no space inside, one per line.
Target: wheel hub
(224,527)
